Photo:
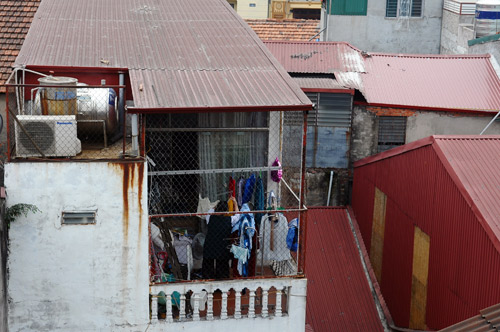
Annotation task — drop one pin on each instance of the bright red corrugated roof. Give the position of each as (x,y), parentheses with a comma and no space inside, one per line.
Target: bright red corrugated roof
(202,47)
(463,82)
(15,20)
(317,57)
(473,163)
(338,295)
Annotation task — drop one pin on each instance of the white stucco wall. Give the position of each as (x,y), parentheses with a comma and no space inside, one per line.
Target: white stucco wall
(376,33)
(79,277)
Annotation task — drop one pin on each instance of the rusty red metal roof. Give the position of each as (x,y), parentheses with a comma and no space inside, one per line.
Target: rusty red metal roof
(488,320)
(435,82)
(338,295)
(321,84)
(317,57)
(288,29)
(179,54)
(472,162)
(464,82)
(15,20)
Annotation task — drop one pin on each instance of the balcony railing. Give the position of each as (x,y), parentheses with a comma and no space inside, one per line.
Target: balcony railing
(279,302)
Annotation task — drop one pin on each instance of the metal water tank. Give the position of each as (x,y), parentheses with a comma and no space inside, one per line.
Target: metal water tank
(57,100)
(487,18)
(96,106)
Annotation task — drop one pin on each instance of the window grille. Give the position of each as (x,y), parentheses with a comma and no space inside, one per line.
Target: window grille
(405,8)
(391,132)
(77,218)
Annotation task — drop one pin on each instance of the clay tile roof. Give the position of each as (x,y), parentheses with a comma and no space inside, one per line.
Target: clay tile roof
(289,29)
(15,20)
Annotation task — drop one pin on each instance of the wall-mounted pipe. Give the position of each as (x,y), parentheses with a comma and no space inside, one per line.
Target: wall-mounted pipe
(329,189)
(135,134)
(121,100)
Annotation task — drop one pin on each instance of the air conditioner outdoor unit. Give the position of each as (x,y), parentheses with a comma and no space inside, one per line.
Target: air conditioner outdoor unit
(55,136)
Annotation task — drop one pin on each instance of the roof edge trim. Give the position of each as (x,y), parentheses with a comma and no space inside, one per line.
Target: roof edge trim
(159,110)
(429,108)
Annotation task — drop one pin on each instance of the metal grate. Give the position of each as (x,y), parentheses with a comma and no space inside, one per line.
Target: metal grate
(391,132)
(213,178)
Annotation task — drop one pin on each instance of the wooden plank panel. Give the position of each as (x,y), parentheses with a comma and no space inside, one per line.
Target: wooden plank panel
(421,245)
(378,229)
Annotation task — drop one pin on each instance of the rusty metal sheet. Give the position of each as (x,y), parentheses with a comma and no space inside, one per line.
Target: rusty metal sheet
(464,82)
(317,57)
(197,53)
(338,294)
(448,186)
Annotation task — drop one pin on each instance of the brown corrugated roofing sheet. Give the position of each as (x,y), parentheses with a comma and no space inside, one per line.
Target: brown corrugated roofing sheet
(201,47)
(317,57)
(289,29)
(15,20)
(465,82)
(338,295)
(319,83)
(487,321)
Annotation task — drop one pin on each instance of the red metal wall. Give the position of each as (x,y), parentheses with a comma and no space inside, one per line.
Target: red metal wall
(464,266)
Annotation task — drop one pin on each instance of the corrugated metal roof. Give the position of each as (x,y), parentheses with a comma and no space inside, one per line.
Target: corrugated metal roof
(472,162)
(338,294)
(465,82)
(319,83)
(317,57)
(488,320)
(202,47)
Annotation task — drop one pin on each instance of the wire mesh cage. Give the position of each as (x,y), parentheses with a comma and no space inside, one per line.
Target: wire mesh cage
(224,194)
(61,118)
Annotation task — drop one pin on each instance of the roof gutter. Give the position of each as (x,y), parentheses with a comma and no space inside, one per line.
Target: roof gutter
(218,109)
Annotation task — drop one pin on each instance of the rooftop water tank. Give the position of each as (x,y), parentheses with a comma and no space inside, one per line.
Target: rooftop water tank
(487,18)
(58,100)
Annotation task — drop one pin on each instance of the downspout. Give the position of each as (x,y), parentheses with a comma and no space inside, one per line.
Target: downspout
(303,209)
(121,100)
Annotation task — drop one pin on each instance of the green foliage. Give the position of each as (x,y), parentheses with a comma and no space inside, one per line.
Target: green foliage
(16,210)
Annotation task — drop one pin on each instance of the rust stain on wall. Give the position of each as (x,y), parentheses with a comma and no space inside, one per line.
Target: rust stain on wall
(139,196)
(385,111)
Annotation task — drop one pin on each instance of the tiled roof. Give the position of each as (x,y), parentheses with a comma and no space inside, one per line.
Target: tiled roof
(15,20)
(289,29)
(338,294)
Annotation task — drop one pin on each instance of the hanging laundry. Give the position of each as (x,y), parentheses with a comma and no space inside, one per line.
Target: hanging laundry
(259,199)
(232,187)
(277,174)
(292,238)
(239,190)
(273,245)
(246,230)
(249,188)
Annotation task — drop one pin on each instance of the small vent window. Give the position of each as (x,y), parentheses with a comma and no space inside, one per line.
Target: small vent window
(391,132)
(77,218)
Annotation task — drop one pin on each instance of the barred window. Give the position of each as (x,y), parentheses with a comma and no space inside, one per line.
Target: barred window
(403,8)
(391,132)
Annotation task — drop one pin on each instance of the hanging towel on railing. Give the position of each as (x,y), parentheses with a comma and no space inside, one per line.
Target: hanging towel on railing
(249,188)
(259,199)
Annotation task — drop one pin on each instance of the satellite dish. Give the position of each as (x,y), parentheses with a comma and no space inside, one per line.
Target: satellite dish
(197,246)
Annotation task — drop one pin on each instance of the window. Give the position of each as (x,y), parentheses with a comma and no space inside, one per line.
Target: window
(348,7)
(403,8)
(391,132)
(77,218)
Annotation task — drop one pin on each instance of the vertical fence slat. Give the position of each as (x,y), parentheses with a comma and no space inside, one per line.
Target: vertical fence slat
(196,309)
(210,305)
(154,309)
(278,312)
(182,309)
(170,317)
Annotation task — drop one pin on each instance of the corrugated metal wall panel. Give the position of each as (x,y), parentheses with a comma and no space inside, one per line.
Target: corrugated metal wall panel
(463,264)
(397,263)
